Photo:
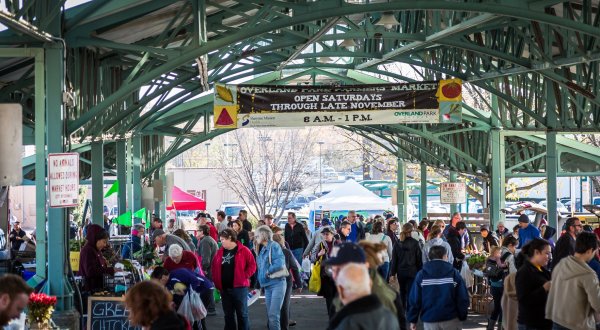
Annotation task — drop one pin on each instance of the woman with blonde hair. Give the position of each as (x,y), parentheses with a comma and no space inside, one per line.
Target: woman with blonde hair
(149,305)
(292,265)
(272,274)
(435,239)
(407,261)
(378,236)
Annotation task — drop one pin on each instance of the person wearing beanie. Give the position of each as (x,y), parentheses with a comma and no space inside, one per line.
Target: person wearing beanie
(527,232)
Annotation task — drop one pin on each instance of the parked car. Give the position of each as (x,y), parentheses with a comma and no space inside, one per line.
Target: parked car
(231,208)
(560,207)
(298,202)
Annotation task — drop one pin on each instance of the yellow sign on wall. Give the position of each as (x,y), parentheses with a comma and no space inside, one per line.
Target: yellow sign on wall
(74,259)
(226,116)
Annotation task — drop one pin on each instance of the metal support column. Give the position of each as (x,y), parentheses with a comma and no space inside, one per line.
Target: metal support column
(129,173)
(497,195)
(163,209)
(136,172)
(551,154)
(453,177)
(157,203)
(122,175)
(423,194)
(401,191)
(57,284)
(551,170)
(40,170)
(98,183)
(497,177)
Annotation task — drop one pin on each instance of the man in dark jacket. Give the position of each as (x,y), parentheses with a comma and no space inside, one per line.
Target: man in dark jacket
(243,217)
(489,238)
(454,240)
(439,296)
(565,246)
(362,310)
(295,237)
(16,236)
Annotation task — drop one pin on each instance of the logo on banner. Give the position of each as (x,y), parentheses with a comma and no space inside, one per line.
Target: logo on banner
(226,116)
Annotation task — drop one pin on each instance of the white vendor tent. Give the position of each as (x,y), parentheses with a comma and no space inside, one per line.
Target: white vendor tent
(350,196)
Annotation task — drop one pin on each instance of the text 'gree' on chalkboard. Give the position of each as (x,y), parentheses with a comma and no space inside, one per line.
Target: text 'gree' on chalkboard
(107,313)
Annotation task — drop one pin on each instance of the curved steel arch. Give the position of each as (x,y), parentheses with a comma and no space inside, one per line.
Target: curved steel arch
(190,55)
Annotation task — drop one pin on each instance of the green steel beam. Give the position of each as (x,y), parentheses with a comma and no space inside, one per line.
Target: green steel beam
(551,183)
(189,55)
(121,167)
(98,183)
(423,192)
(436,37)
(136,142)
(402,191)
(40,165)
(57,284)
(453,178)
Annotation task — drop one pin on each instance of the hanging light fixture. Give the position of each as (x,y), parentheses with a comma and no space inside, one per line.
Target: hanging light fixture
(388,20)
(348,44)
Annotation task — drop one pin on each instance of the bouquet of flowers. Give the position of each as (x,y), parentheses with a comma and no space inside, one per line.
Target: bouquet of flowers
(40,309)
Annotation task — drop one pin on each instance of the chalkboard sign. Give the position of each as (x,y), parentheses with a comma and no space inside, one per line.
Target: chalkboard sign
(107,313)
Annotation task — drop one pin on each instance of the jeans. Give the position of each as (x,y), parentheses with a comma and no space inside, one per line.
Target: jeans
(274,296)
(208,299)
(329,306)
(384,270)
(556,326)
(454,324)
(235,306)
(285,308)
(298,254)
(406,284)
(497,295)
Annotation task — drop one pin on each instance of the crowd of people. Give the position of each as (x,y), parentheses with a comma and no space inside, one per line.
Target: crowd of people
(370,275)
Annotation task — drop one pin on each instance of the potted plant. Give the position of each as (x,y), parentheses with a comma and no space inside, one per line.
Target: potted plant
(40,308)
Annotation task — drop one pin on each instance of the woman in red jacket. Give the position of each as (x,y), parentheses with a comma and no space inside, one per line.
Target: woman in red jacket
(180,259)
(232,268)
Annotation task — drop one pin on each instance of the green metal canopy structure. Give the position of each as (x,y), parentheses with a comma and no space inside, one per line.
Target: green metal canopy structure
(111,78)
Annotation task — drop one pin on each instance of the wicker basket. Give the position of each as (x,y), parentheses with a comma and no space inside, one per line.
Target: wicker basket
(481,304)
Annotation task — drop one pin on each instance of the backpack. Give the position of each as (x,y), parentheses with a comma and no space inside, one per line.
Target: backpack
(493,271)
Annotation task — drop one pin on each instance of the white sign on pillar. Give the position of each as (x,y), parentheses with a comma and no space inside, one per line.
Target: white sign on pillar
(63,179)
(453,193)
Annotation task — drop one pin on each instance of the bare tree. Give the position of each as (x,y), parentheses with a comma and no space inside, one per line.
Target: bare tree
(268,168)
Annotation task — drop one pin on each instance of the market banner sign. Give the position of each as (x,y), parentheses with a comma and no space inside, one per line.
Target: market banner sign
(429,102)
(453,193)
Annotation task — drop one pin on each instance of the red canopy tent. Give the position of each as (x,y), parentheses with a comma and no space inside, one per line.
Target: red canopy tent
(182,201)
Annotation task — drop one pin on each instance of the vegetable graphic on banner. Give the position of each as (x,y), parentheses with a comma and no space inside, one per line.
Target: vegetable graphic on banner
(429,102)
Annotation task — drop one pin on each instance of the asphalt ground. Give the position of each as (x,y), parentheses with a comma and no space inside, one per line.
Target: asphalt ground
(308,310)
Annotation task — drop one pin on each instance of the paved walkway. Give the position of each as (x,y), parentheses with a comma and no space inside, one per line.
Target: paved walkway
(308,310)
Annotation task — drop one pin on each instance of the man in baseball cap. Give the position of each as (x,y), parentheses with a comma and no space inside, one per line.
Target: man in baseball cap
(343,254)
